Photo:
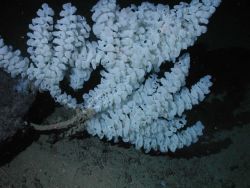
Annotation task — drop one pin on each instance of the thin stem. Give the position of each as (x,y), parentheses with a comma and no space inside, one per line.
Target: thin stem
(81,116)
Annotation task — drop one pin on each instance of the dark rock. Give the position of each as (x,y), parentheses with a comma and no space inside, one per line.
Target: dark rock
(13,107)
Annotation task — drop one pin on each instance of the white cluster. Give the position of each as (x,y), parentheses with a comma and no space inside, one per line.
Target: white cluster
(12,61)
(134,41)
(131,44)
(57,48)
(153,115)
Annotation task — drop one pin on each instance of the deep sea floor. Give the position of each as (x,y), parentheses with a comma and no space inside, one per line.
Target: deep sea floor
(221,158)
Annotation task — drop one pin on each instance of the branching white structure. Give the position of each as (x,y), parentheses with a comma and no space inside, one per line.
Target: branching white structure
(131,43)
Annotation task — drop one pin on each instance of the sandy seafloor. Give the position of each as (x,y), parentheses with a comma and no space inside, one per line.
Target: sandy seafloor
(219,160)
(90,163)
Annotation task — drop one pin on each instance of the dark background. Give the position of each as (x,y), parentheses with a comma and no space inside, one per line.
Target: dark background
(222,52)
(229,26)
